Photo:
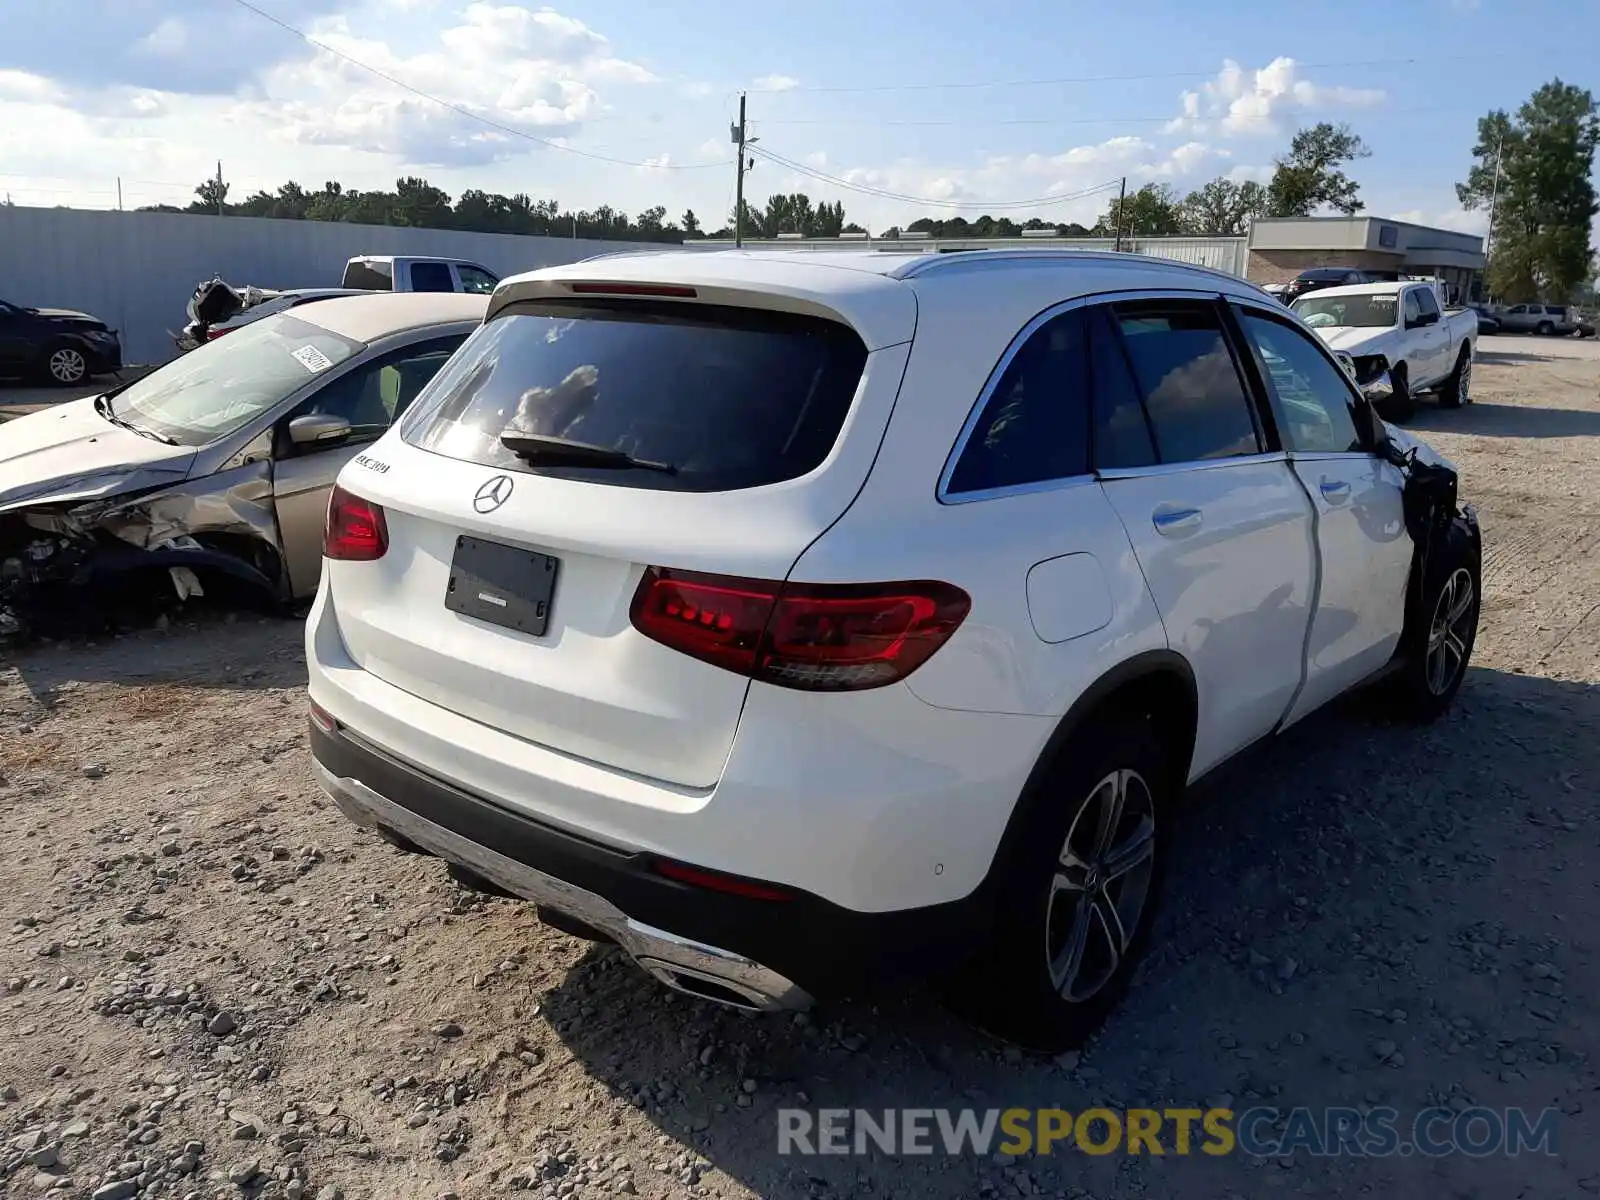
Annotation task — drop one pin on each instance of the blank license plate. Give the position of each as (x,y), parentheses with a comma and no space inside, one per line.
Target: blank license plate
(502,585)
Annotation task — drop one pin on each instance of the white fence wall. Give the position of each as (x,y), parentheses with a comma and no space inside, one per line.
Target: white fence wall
(136,270)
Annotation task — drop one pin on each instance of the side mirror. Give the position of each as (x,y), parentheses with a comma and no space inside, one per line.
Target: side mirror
(318,429)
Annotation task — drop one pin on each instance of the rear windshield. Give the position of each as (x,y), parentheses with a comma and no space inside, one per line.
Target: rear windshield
(370,276)
(729,398)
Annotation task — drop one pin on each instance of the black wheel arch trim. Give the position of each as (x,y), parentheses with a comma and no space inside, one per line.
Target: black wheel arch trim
(1151,665)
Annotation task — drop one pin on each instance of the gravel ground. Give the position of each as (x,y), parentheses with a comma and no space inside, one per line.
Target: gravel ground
(211,985)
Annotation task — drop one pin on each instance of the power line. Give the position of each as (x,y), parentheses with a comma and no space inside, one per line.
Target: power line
(466,112)
(1023,83)
(886,194)
(979,123)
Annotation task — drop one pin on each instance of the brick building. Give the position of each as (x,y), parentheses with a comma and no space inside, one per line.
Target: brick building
(1281,247)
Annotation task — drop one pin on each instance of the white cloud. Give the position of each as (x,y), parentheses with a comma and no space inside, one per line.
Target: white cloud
(775,83)
(998,179)
(1256,102)
(529,70)
(167,40)
(25,88)
(1456,218)
(1247,173)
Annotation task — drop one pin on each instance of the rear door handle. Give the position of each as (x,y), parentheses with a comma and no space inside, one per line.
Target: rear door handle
(1171,520)
(1335,491)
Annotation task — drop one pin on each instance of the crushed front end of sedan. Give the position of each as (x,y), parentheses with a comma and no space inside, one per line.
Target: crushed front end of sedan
(120,546)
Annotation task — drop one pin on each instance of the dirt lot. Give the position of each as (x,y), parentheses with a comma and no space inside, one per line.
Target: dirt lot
(213,986)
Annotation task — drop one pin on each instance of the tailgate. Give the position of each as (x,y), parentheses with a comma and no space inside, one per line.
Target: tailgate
(506,588)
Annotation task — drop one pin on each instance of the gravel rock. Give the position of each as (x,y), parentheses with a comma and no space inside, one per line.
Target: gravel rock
(222,1024)
(243,1171)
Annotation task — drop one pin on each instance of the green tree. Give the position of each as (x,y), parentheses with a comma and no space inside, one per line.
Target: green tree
(1545,203)
(1310,177)
(690,223)
(418,203)
(212,197)
(1223,208)
(1152,211)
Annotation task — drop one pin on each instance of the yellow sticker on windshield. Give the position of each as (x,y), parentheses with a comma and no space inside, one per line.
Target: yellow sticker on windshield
(312,359)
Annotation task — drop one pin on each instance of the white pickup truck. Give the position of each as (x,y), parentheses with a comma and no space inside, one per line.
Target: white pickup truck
(1400,328)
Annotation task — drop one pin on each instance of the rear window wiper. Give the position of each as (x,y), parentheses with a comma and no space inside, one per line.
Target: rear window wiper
(540,450)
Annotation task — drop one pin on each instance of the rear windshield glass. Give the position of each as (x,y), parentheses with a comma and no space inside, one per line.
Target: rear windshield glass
(728,398)
(373,276)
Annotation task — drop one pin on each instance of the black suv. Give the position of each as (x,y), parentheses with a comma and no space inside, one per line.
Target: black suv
(1318,278)
(57,345)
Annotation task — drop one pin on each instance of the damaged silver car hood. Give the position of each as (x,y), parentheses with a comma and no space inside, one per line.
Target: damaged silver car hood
(70,452)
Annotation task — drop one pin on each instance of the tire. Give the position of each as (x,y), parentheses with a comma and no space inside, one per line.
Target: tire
(1401,406)
(1457,390)
(65,365)
(1544,329)
(1441,630)
(1059,895)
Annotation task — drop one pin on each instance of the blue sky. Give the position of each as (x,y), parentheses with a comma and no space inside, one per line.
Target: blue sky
(156,91)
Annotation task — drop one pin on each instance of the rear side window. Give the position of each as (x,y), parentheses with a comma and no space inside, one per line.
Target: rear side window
(373,276)
(431,277)
(725,398)
(1196,402)
(475,280)
(1034,427)
(1122,436)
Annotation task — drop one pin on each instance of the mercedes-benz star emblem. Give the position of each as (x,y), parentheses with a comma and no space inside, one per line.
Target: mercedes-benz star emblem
(493,494)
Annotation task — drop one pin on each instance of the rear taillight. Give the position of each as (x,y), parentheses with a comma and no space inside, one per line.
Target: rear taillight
(213,334)
(356,530)
(812,636)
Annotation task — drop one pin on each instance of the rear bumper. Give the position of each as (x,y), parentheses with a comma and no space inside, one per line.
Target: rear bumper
(756,953)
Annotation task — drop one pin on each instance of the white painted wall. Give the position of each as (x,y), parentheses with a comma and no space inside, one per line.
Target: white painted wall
(136,270)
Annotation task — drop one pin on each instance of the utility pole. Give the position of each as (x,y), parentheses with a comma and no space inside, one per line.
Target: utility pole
(1494,200)
(738,187)
(119,193)
(219,187)
(1122,203)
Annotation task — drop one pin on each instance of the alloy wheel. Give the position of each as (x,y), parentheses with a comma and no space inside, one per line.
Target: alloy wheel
(1450,631)
(1101,885)
(67,365)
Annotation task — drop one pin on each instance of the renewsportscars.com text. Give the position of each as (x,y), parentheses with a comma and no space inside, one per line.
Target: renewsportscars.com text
(1262,1132)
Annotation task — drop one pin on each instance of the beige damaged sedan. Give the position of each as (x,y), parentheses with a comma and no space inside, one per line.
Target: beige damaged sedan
(218,465)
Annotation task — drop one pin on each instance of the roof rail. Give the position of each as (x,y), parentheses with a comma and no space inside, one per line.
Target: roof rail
(929,264)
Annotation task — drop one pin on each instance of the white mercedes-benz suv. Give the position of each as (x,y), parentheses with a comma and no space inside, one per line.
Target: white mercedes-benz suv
(793,618)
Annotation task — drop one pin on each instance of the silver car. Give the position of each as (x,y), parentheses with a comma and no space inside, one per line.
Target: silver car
(1543,319)
(275,302)
(217,465)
